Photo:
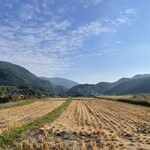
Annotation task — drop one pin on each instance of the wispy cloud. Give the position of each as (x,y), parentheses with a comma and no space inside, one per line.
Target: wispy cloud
(106,51)
(47,44)
(131,11)
(87,3)
(97,1)
(126,17)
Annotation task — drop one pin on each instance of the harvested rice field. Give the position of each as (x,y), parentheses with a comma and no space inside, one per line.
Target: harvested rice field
(16,117)
(91,124)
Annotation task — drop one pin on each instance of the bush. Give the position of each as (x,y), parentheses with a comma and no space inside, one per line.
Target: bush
(4,100)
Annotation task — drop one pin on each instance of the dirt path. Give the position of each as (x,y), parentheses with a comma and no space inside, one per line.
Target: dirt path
(97,124)
(14,117)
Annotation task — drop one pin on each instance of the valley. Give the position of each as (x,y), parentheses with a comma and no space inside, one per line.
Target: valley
(74,75)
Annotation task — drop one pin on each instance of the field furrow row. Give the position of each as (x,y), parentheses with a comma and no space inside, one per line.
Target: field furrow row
(96,124)
(14,117)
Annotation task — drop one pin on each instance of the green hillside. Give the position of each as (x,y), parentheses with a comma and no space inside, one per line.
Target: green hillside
(14,75)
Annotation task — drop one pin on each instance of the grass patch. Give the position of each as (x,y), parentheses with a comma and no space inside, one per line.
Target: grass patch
(7,139)
(136,102)
(130,101)
(17,104)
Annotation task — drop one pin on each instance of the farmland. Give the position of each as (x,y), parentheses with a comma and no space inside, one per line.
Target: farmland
(138,99)
(90,123)
(16,117)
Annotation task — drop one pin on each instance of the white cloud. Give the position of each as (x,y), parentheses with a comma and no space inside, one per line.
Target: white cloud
(50,46)
(45,47)
(87,3)
(126,17)
(93,28)
(26,12)
(122,20)
(119,42)
(106,51)
(131,11)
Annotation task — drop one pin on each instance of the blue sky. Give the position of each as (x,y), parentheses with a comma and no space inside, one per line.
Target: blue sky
(84,40)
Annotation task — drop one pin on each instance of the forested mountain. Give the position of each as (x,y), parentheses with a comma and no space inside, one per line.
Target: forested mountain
(136,84)
(14,75)
(61,81)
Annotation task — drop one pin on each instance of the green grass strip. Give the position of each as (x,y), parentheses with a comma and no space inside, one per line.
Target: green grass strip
(7,139)
(17,104)
(135,102)
(129,101)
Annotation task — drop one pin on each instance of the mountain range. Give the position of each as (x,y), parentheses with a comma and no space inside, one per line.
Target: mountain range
(137,84)
(133,86)
(14,75)
(61,81)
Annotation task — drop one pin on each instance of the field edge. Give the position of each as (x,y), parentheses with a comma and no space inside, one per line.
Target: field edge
(18,104)
(129,101)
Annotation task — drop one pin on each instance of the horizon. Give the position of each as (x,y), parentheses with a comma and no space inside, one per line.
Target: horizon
(87,41)
(99,81)
(82,82)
